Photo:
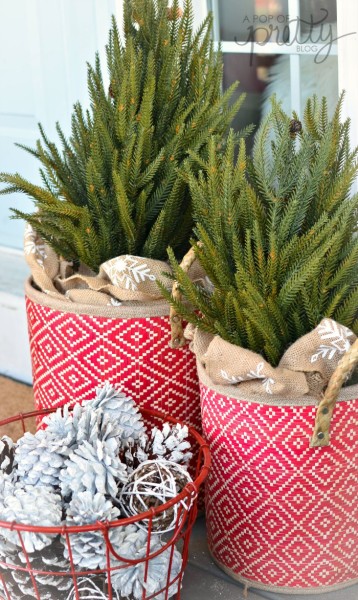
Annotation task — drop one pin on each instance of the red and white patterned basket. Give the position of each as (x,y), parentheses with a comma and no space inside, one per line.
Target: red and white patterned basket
(282,515)
(75,348)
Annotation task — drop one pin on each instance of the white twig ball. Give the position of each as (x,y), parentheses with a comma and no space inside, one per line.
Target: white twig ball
(152,484)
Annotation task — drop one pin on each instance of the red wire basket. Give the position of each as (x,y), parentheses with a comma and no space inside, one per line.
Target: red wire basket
(74,584)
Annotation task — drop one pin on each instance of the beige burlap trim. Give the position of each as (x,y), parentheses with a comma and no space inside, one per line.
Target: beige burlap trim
(132,310)
(347,393)
(276,588)
(304,370)
(122,280)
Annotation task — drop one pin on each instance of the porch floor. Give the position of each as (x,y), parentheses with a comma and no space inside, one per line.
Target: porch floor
(203,580)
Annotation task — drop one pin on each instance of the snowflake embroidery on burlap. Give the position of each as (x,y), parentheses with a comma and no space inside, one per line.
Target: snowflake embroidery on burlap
(336,337)
(230,378)
(129,271)
(267,382)
(31,247)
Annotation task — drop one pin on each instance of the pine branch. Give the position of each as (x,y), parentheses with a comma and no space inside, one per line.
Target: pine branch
(278,233)
(116,174)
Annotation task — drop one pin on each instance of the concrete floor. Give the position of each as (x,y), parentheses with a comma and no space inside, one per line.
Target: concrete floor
(203,580)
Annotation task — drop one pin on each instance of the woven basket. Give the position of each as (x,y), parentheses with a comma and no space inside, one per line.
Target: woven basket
(33,570)
(75,348)
(282,514)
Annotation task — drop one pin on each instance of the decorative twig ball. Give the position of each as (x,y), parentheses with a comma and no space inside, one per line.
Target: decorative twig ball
(152,484)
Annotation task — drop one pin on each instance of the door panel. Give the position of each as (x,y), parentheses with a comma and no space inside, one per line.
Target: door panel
(44,46)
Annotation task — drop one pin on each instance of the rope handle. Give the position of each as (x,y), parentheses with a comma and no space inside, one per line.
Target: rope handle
(326,406)
(177,333)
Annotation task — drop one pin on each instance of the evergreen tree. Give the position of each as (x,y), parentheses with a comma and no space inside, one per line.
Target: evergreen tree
(278,233)
(112,187)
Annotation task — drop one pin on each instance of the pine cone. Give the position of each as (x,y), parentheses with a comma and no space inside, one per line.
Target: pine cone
(50,587)
(170,444)
(295,127)
(27,589)
(96,468)
(95,424)
(63,427)
(7,453)
(8,588)
(7,484)
(31,506)
(50,559)
(89,548)
(130,581)
(39,458)
(152,484)
(121,409)
(136,453)
(7,549)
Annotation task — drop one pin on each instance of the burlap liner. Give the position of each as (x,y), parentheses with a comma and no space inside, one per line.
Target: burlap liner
(158,308)
(280,589)
(125,285)
(300,378)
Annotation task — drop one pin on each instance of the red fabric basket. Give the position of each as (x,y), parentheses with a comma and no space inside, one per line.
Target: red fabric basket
(281,515)
(187,513)
(75,348)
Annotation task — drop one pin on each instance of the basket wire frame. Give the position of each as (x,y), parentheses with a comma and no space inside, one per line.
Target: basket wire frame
(186,516)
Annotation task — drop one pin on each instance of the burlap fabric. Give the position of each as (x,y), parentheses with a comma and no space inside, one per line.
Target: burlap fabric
(304,369)
(124,279)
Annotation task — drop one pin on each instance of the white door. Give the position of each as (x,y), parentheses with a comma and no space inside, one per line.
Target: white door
(44,46)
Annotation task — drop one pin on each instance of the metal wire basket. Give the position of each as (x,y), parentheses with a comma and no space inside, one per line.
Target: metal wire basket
(42,577)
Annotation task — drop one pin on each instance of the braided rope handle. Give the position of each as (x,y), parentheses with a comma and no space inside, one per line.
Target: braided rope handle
(177,333)
(326,406)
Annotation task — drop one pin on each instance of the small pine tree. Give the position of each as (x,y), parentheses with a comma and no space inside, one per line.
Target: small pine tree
(112,187)
(278,233)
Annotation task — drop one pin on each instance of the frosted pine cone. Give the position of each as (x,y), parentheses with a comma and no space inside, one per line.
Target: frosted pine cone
(49,559)
(130,581)
(7,453)
(50,587)
(8,588)
(121,409)
(31,506)
(63,427)
(38,459)
(95,424)
(136,452)
(89,548)
(7,484)
(25,585)
(94,468)
(7,549)
(171,443)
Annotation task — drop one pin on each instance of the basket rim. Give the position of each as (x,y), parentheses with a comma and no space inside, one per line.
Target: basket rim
(136,310)
(347,394)
(190,490)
